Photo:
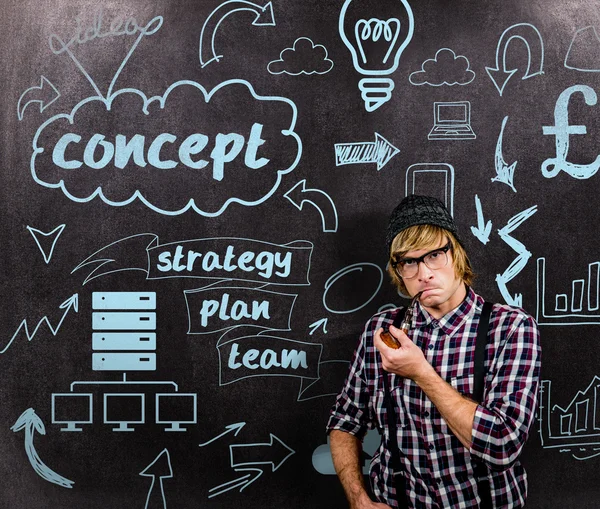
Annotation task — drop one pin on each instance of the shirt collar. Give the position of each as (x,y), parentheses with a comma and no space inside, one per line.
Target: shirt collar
(452,320)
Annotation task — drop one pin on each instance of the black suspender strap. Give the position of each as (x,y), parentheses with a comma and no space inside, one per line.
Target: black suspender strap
(481,342)
(483,485)
(399,481)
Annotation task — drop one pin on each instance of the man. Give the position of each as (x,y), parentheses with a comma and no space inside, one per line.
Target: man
(454,451)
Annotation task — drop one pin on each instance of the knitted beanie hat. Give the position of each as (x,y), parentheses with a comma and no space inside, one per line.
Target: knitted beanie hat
(414,210)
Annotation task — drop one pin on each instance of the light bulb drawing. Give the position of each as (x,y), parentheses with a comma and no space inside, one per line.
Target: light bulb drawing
(376,45)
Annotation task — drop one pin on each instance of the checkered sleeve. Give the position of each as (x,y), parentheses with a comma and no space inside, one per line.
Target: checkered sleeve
(502,422)
(351,411)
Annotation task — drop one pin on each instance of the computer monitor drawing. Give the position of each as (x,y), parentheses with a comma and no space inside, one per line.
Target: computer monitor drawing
(72,409)
(175,409)
(124,409)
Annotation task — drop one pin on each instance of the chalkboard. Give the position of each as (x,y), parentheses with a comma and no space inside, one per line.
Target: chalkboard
(194,199)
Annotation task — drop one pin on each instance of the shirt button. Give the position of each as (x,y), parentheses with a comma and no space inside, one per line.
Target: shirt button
(431,447)
(430,347)
(426,414)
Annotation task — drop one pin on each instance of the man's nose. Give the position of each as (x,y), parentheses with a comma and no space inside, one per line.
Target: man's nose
(424,272)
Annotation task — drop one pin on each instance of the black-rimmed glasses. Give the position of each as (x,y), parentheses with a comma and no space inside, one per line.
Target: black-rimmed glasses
(407,268)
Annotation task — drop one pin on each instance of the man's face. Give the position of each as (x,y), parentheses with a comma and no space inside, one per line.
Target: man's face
(442,291)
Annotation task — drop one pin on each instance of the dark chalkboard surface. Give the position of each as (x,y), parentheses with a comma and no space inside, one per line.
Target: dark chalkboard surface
(193,203)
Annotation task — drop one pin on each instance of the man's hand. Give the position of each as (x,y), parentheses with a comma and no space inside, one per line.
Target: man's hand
(407,361)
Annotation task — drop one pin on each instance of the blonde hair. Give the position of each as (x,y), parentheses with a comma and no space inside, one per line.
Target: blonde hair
(425,236)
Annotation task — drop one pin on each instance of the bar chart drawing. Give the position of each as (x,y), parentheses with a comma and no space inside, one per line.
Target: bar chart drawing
(574,429)
(579,307)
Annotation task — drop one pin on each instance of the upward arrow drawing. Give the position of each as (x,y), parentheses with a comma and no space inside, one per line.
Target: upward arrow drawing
(30,422)
(71,303)
(207,51)
(160,468)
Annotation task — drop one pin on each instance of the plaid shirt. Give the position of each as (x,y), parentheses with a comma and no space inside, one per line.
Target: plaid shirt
(438,469)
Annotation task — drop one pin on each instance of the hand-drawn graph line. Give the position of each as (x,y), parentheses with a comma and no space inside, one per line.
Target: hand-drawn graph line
(575,428)
(71,303)
(570,310)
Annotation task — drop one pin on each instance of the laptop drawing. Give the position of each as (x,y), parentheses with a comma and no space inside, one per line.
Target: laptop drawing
(452,121)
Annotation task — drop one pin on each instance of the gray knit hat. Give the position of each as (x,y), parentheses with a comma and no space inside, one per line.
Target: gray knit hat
(414,210)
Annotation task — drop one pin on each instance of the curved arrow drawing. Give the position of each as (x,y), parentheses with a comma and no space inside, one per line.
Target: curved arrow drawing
(299,195)
(45,95)
(207,52)
(71,302)
(236,428)
(518,264)
(380,151)
(30,422)
(483,229)
(531,36)
(161,468)
(504,172)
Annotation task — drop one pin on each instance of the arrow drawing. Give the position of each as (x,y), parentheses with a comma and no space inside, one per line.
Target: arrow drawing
(518,264)
(299,195)
(236,428)
(45,94)
(482,230)
(161,468)
(273,453)
(241,482)
(532,38)
(207,52)
(38,235)
(71,302)
(379,151)
(319,323)
(504,172)
(30,422)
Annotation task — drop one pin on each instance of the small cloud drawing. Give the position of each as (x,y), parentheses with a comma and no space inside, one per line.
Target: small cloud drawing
(305,57)
(444,69)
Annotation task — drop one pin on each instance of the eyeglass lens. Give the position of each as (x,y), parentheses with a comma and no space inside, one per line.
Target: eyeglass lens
(434,260)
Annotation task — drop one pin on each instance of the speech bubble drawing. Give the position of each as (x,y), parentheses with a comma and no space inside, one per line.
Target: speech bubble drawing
(189,142)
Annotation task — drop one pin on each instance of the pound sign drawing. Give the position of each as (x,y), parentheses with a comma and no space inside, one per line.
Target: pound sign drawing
(553,166)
